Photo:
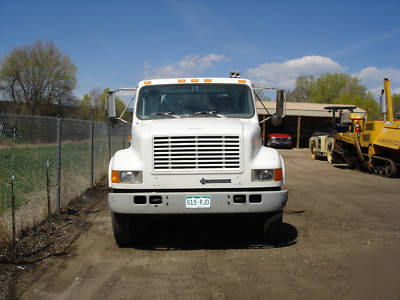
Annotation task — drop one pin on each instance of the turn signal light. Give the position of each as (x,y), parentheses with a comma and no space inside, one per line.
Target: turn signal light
(114,176)
(278,174)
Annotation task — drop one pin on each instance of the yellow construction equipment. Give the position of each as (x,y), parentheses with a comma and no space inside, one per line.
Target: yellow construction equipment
(321,144)
(372,146)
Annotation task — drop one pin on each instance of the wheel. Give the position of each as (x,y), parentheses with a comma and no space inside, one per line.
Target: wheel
(382,170)
(314,155)
(390,170)
(350,162)
(272,231)
(375,169)
(123,229)
(329,156)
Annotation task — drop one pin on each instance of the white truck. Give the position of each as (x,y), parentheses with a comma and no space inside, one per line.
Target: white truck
(196,148)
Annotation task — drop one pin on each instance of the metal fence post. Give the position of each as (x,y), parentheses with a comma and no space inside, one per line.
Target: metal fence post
(13,217)
(48,194)
(109,141)
(91,155)
(58,202)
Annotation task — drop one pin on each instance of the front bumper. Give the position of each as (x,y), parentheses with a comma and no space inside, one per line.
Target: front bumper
(221,202)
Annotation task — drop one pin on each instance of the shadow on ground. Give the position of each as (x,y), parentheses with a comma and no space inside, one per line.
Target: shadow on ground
(207,232)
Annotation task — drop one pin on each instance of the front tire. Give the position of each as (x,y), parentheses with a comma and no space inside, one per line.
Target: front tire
(123,229)
(314,155)
(273,230)
(271,227)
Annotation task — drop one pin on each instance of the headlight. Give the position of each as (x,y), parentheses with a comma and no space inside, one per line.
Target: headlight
(266,175)
(127,176)
(262,175)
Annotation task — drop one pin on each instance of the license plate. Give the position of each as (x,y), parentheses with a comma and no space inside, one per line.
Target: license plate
(198,201)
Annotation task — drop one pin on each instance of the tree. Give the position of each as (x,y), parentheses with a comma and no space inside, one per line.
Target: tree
(396,103)
(96,97)
(38,75)
(303,90)
(85,108)
(336,88)
(328,87)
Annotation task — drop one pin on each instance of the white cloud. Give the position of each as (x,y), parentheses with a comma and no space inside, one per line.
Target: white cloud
(278,74)
(396,91)
(189,66)
(284,75)
(372,78)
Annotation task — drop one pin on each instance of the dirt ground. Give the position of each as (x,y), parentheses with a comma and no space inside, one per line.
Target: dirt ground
(341,239)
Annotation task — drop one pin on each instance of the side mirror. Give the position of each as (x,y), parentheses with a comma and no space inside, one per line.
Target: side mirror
(280,103)
(111,111)
(277,118)
(111,99)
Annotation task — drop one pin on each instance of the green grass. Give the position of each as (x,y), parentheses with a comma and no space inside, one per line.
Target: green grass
(28,165)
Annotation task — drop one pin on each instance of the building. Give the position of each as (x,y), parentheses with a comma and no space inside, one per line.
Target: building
(301,120)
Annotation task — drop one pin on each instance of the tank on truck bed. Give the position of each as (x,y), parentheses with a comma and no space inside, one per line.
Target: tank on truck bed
(196,149)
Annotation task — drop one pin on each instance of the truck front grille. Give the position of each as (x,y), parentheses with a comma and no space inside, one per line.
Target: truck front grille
(195,153)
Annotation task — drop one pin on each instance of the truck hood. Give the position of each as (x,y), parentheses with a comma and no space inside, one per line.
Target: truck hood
(143,132)
(195,126)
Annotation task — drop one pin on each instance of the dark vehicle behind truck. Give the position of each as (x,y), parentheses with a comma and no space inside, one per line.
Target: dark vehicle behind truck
(279,140)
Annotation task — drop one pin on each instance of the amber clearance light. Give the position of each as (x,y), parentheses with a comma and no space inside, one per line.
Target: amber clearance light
(114,176)
(278,174)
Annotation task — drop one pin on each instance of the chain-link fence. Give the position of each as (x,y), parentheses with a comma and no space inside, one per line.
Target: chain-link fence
(77,153)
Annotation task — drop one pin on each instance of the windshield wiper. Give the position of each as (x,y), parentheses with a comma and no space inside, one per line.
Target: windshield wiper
(211,112)
(165,113)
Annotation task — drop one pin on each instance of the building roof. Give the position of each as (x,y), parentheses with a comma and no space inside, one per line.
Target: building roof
(301,109)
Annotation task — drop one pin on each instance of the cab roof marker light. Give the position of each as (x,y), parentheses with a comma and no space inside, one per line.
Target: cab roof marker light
(242,81)
(147,82)
(207,80)
(181,80)
(194,80)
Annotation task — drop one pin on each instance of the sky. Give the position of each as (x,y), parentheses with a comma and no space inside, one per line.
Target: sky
(116,44)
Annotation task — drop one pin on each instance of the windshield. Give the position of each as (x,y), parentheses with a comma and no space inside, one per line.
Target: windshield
(195,100)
